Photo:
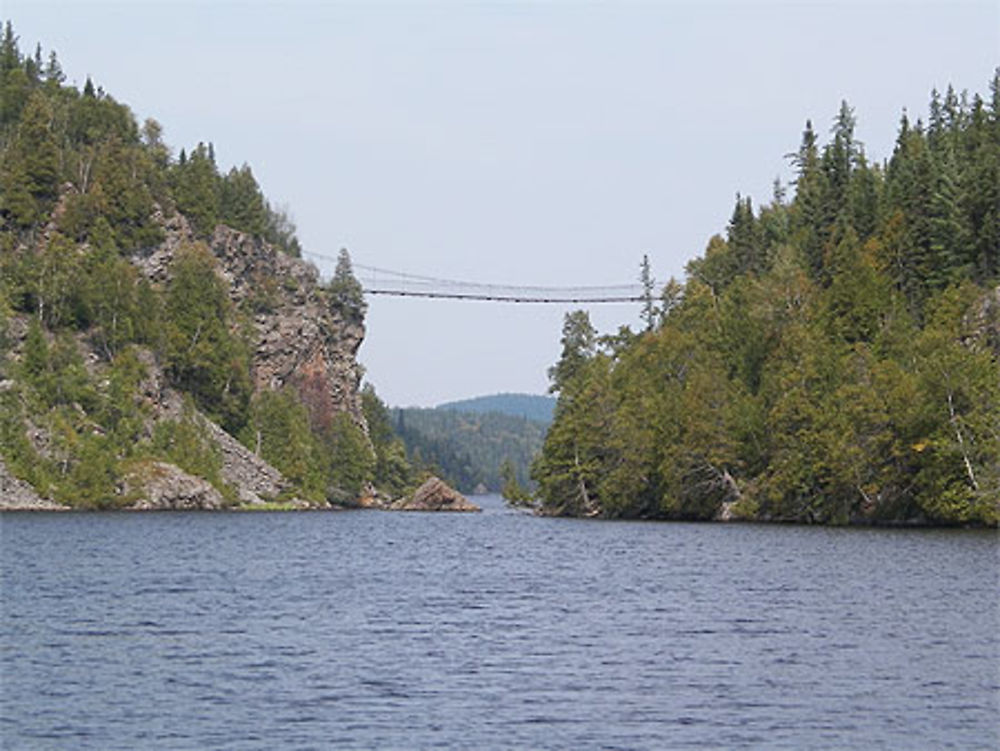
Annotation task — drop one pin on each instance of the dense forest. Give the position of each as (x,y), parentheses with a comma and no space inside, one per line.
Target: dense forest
(84,191)
(832,358)
(470,447)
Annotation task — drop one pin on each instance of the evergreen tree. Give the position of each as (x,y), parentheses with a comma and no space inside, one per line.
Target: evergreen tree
(579,342)
(30,173)
(241,204)
(345,292)
(809,216)
(196,188)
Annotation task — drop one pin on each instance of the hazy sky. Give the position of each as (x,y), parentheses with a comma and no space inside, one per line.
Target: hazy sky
(519,143)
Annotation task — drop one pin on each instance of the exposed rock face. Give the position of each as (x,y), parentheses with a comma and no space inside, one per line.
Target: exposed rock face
(165,486)
(983,323)
(298,339)
(253,478)
(435,495)
(16,495)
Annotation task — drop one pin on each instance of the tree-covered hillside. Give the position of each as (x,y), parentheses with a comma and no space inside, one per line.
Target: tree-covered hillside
(87,197)
(832,358)
(469,448)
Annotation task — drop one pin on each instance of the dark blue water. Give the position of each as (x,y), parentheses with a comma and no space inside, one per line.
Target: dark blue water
(497,630)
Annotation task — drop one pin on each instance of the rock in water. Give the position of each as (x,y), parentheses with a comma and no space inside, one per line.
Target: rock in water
(435,495)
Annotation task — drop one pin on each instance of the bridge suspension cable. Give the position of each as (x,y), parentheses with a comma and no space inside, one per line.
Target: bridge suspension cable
(387,282)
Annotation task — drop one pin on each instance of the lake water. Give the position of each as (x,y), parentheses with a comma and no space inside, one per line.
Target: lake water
(375,630)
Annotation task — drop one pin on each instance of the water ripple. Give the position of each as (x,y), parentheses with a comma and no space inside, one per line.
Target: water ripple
(368,630)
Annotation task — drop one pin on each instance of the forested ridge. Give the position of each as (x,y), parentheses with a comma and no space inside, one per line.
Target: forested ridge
(531,406)
(470,448)
(832,357)
(86,194)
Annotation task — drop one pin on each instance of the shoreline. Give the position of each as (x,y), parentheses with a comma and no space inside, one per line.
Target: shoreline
(51,507)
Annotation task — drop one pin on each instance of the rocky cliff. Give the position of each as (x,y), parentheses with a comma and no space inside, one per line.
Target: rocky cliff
(298,339)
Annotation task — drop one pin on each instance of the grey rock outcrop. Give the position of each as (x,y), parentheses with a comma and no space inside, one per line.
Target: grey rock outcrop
(254,479)
(16,495)
(435,495)
(298,341)
(163,486)
(982,325)
(298,338)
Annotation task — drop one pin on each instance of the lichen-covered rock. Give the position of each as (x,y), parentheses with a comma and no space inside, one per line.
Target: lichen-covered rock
(17,495)
(435,495)
(162,486)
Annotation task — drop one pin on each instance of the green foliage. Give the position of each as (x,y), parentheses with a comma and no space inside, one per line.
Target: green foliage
(186,443)
(529,406)
(579,342)
(83,190)
(94,475)
(196,189)
(29,177)
(352,461)
(20,456)
(393,473)
(344,290)
(204,355)
(513,492)
(831,360)
(84,150)
(241,204)
(120,308)
(278,430)
(88,424)
(466,448)
(54,374)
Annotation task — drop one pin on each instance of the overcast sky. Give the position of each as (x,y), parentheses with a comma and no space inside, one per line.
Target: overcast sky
(518,143)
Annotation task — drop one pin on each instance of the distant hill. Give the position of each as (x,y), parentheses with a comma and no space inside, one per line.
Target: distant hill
(466,442)
(530,406)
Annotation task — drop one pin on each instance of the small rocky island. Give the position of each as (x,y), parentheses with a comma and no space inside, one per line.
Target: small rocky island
(434,495)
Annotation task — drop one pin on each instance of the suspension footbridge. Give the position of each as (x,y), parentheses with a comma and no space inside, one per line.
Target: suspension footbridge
(390,283)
